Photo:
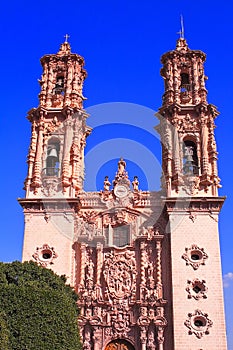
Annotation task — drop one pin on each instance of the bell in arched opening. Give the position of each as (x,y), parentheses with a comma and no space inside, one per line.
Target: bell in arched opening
(52,160)
(190,159)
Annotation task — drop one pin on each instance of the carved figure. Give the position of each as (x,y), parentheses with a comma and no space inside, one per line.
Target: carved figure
(121,166)
(135,183)
(107,184)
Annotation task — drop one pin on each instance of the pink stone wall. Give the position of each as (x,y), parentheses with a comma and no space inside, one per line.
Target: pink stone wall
(55,233)
(204,233)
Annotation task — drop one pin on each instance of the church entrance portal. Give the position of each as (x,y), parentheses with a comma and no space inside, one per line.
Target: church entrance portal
(119,345)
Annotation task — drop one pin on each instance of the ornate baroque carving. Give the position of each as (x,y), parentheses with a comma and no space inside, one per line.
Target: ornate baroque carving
(119,271)
(45,255)
(195,256)
(198,323)
(196,289)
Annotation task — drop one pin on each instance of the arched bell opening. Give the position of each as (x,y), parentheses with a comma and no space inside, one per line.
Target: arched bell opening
(59,86)
(185,85)
(119,344)
(190,158)
(52,158)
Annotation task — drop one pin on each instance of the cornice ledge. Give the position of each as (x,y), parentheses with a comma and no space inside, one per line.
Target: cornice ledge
(195,204)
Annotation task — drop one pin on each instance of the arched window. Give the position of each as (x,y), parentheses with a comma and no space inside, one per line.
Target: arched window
(52,159)
(190,159)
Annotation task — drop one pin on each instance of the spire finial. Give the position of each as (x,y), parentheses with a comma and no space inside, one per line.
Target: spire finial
(181,32)
(66,38)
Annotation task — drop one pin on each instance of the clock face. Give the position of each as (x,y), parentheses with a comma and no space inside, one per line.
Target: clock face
(120,191)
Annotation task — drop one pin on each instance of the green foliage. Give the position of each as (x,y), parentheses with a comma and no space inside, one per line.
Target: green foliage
(4,332)
(38,311)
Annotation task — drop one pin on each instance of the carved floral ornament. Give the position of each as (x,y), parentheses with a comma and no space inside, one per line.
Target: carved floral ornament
(195,256)
(198,323)
(44,255)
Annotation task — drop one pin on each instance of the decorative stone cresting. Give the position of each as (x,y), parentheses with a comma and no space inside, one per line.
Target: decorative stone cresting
(195,256)
(44,255)
(198,323)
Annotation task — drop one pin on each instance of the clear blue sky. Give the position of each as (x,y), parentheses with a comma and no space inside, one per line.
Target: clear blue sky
(122,42)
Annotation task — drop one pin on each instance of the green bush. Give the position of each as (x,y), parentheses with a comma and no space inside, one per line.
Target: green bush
(38,310)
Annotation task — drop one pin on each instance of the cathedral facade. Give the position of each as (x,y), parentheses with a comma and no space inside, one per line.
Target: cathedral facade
(146,265)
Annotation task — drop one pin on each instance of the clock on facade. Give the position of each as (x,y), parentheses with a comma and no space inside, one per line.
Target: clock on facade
(120,191)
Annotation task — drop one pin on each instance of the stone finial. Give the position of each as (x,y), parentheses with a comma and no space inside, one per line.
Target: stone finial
(181,45)
(65,48)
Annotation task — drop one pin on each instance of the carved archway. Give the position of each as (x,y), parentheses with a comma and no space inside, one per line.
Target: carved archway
(119,344)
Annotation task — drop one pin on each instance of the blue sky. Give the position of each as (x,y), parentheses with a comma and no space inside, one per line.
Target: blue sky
(122,42)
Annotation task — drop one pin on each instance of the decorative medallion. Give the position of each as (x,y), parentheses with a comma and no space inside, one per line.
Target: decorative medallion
(44,255)
(198,323)
(195,256)
(196,289)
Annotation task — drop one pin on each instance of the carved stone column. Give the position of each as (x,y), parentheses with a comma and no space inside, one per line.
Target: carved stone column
(204,145)
(176,82)
(31,157)
(159,269)
(38,161)
(195,81)
(66,154)
(82,263)
(176,151)
(143,337)
(167,154)
(75,156)
(160,336)
(99,249)
(144,264)
(49,87)
(67,99)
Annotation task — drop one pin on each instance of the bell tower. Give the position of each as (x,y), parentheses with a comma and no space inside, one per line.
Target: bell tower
(191,182)
(187,125)
(59,131)
(55,161)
